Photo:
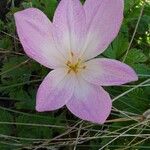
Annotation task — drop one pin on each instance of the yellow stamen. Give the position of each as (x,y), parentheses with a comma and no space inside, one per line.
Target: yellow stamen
(74,64)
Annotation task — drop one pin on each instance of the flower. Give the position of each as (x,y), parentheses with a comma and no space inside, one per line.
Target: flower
(69,46)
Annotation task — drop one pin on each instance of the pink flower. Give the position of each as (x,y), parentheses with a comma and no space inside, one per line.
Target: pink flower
(68,46)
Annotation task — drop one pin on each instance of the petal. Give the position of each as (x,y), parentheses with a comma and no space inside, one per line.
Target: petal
(56,89)
(103,19)
(69,22)
(34,31)
(90,102)
(107,72)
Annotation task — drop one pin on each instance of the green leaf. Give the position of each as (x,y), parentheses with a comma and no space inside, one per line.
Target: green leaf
(23,99)
(6,43)
(5,117)
(39,131)
(47,6)
(2,26)
(136,101)
(142,69)
(11,71)
(35,131)
(135,56)
(117,48)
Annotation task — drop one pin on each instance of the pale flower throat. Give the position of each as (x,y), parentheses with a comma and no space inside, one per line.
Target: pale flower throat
(74,64)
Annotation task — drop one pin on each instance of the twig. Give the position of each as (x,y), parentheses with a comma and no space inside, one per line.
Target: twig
(79,131)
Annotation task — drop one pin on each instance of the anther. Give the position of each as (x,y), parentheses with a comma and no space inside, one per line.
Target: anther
(69,71)
(68,63)
(72,54)
(84,67)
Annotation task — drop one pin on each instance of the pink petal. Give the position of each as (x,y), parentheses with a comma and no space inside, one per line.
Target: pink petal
(34,31)
(90,102)
(54,92)
(107,72)
(69,21)
(103,18)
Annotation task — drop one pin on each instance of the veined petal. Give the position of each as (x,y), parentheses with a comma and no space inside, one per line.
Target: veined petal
(69,22)
(34,31)
(90,102)
(107,72)
(54,92)
(103,20)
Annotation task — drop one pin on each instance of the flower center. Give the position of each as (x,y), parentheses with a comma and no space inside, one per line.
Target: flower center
(75,64)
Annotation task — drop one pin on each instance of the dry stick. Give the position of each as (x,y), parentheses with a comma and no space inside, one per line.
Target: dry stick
(116,131)
(65,142)
(105,136)
(99,137)
(139,118)
(70,142)
(49,140)
(129,113)
(135,143)
(115,120)
(140,132)
(12,144)
(136,27)
(124,113)
(79,131)
(133,118)
(129,144)
(29,124)
(59,144)
(121,135)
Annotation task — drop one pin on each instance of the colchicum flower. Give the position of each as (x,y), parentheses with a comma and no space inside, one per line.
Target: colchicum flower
(69,45)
